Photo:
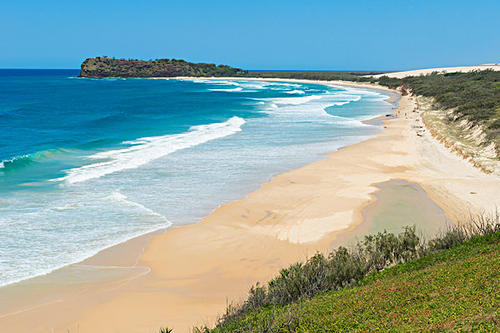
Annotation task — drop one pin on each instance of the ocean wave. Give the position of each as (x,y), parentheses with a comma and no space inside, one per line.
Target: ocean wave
(313,107)
(350,122)
(295,100)
(259,85)
(228,90)
(64,207)
(209,81)
(248,86)
(15,162)
(296,92)
(57,260)
(147,149)
(122,198)
(328,99)
(346,99)
(272,85)
(370,95)
(361,91)
(24,160)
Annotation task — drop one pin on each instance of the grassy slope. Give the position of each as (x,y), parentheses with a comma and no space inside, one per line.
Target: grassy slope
(456,289)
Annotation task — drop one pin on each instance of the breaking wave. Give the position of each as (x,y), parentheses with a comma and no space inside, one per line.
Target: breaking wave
(147,149)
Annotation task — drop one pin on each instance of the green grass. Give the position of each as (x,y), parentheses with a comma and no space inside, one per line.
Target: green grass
(452,290)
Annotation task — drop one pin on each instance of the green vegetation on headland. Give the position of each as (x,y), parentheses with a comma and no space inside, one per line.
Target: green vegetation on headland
(386,283)
(102,67)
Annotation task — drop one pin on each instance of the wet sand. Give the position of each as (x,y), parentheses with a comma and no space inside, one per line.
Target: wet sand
(191,272)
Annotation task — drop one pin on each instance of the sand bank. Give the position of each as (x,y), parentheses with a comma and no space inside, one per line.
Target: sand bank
(196,269)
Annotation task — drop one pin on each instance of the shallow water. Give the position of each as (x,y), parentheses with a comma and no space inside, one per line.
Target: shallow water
(400,203)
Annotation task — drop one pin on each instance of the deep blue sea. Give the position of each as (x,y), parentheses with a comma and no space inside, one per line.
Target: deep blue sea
(89,163)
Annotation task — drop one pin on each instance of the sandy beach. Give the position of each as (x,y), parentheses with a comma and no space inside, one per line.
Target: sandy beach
(187,275)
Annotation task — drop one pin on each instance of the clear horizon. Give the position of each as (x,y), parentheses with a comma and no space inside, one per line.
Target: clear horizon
(322,35)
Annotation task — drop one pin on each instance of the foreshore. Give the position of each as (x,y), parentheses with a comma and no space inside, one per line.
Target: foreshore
(187,275)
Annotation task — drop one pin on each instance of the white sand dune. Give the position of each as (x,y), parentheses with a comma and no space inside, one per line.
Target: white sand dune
(400,75)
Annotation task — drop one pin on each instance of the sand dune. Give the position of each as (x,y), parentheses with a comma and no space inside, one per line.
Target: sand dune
(400,75)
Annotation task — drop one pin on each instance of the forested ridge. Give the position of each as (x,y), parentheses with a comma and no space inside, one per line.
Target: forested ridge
(102,67)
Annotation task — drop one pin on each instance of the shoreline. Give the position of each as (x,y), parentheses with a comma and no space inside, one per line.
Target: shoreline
(97,256)
(263,240)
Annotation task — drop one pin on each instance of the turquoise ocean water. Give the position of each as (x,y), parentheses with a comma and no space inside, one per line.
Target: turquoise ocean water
(89,163)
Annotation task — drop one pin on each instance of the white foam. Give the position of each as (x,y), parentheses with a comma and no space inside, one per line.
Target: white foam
(221,82)
(295,100)
(228,90)
(361,91)
(147,149)
(255,85)
(217,82)
(312,108)
(59,260)
(65,207)
(295,92)
(12,160)
(117,196)
(247,85)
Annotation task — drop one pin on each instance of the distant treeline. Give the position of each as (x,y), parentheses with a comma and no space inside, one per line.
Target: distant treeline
(101,67)
(345,76)
(474,96)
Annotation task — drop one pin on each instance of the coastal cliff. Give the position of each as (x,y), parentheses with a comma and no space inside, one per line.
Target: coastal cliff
(101,67)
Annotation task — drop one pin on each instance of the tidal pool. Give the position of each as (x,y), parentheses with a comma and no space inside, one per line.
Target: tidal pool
(399,203)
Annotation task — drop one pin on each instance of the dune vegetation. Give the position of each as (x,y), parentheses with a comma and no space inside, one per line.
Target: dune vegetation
(472,98)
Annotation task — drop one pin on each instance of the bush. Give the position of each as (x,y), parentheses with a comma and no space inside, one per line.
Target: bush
(166,330)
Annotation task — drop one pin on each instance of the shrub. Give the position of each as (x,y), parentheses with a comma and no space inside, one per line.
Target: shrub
(166,330)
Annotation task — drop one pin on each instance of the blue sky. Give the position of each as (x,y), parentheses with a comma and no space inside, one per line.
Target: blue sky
(304,35)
